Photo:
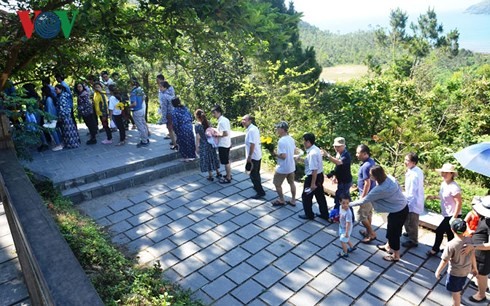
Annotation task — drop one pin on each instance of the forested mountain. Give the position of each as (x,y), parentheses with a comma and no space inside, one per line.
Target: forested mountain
(335,49)
(480,8)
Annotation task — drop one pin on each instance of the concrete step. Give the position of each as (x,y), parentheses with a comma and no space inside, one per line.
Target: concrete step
(128,176)
(135,164)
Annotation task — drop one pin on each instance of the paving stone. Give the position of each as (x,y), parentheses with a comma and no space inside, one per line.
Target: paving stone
(288,262)
(243,219)
(432,263)
(279,247)
(219,287)
(353,286)
(261,259)
(247,291)
(140,197)
(162,247)
(119,216)
(158,222)
(222,217)
(176,193)
(171,275)
(440,295)
(269,276)
(213,197)
(215,269)
(424,277)
(230,241)
(181,224)
(305,250)
(178,213)
(255,244)
(10,270)
(13,292)
(159,200)
(139,244)
(296,279)
(368,271)
(368,300)
(227,300)
(226,228)
(410,262)
(186,250)
(325,282)
(196,204)
(199,215)
(193,195)
(306,296)
(188,266)
(342,268)
(210,253)
(383,289)
(413,292)
(273,233)
(207,238)
(138,231)
(183,236)
(167,260)
(194,281)
(267,221)
(100,212)
(235,256)
(276,295)
(322,239)
(139,208)
(202,226)
(397,274)
(241,272)
(120,239)
(121,204)
(297,236)
(314,265)
(336,298)
(140,219)
(160,233)
(249,231)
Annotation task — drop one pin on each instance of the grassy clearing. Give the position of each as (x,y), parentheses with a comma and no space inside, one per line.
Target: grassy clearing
(343,73)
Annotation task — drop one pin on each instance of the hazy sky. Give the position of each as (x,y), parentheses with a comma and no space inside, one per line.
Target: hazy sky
(327,14)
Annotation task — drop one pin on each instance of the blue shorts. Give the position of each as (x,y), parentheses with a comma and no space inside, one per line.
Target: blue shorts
(455,283)
(342,235)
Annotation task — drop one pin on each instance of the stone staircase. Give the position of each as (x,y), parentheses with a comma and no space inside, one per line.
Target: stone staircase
(137,171)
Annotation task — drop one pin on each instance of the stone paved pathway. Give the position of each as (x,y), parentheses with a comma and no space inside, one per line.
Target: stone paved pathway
(231,250)
(13,290)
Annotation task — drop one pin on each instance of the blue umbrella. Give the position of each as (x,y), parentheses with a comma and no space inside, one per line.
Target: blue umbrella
(475,158)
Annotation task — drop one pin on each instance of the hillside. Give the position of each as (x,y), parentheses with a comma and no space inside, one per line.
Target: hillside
(482,8)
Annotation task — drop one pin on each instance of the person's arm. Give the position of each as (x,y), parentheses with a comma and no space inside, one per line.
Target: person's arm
(467,248)
(334,160)
(441,267)
(474,267)
(459,204)
(250,152)
(347,227)
(198,138)
(313,179)
(366,188)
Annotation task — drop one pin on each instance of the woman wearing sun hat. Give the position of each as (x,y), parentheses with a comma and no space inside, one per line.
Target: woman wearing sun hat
(451,203)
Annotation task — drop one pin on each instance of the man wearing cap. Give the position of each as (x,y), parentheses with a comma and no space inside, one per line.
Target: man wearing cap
(342,173)
(313,185)
(254,154)
(285,164)
(414,192)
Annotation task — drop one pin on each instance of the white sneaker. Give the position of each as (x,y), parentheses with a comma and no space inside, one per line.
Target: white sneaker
(106,141)
(58,148)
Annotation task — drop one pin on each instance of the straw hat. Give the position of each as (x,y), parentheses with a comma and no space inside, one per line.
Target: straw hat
(482,206)
(448,168)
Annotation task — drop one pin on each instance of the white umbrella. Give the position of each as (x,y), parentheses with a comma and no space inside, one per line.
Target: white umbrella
(475,158)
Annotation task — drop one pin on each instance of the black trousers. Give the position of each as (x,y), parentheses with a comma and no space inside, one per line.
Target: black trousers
(118,120)
(105,125)
(91,124)
(319,196)
(444,227)
(394,230)
(255,177)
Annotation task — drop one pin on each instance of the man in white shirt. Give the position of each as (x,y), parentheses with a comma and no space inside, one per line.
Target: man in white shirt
(313,185)
(414,192)
(254,154)
(285,164)
(224,143)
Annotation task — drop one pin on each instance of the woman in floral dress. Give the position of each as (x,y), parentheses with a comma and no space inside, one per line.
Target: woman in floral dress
(69,130)
(182,121)
(208,158)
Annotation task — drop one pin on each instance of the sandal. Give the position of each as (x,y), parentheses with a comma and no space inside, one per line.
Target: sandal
(343,255)
(368,239)
(472,299)
(431,253)
(224,180)
(291,203)
(390,258)
(363,233)
(210,178)
(176,147)
(278,203)
(219,175)
(382,247)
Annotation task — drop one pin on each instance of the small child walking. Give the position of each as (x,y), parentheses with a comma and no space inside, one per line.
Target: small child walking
(459,265)
(345,226)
